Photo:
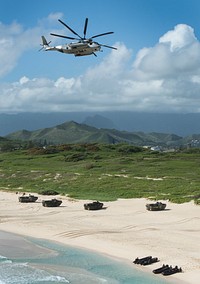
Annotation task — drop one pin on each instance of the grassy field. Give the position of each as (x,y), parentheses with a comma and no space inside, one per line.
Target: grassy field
(103,172)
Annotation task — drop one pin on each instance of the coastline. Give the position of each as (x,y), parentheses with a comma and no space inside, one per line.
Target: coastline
(123,230)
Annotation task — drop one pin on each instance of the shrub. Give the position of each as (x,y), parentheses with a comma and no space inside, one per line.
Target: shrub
(49,192)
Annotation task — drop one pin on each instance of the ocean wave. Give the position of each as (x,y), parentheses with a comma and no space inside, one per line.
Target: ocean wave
(4,259)
(22,273)
(53,278)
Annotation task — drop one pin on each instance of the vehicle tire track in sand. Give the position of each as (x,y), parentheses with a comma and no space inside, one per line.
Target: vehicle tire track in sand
(81,233)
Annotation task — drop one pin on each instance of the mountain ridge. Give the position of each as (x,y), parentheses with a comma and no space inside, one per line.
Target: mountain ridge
(73,132)
(179,124)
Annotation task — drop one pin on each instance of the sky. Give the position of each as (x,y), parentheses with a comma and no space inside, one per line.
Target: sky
(156,67)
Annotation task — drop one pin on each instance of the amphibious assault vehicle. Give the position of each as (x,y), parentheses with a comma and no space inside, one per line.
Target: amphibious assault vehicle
(96,205)
(51,203)
(29,198)
(155,206)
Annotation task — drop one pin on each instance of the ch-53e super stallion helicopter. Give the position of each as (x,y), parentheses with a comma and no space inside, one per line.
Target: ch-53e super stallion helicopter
(83,46)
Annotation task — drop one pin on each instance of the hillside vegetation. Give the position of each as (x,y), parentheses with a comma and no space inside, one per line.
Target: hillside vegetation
(72,132)
(103,172)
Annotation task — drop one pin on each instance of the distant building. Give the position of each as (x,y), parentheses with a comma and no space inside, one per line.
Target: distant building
(156,148)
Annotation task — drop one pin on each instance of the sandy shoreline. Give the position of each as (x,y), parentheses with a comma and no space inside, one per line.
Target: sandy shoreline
(124,229)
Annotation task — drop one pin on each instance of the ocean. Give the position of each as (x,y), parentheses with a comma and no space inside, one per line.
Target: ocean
(36,261)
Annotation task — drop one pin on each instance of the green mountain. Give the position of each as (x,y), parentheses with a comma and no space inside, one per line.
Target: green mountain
(73,132)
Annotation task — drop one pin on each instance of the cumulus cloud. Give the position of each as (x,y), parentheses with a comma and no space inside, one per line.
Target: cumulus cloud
(162,78)
(177,53)
(179,37)
(15,40)
(8,53)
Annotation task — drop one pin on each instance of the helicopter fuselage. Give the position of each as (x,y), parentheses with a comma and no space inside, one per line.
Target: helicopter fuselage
(76,48)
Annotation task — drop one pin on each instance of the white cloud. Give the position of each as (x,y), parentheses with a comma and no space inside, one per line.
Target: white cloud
(163,78)
(8,53)
(23,80)
(176,54)
(181,36)
(15,40)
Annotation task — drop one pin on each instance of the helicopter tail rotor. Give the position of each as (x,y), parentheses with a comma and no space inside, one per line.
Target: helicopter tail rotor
(44,43)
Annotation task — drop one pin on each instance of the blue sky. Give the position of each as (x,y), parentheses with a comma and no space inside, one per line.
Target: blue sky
(155,69)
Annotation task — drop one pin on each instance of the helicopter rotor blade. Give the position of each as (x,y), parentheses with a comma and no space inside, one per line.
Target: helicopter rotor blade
(108,46)
(41,48)
(70,29)
(85,27)
(68,37)
(108,33)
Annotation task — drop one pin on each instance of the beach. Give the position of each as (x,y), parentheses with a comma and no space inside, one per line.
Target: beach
(123,229)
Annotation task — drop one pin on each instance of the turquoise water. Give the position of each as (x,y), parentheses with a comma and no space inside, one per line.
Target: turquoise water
(69,265)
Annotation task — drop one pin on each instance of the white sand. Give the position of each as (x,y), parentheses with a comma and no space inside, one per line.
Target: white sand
(124,229)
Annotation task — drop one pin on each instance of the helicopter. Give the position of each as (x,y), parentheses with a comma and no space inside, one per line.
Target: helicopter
(82,47)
